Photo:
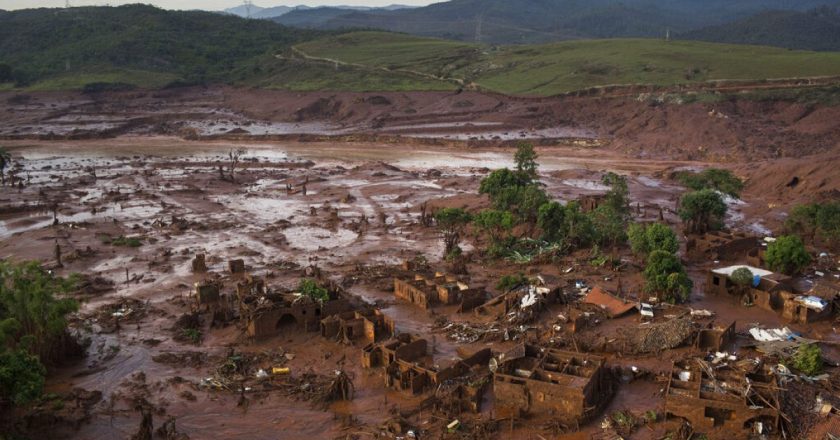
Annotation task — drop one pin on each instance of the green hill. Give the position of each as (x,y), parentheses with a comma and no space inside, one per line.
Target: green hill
(818,29)
(137,44)
(97,48)
(540,21)
(573,65)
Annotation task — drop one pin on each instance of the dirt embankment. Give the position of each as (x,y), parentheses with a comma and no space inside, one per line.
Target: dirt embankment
(644,125)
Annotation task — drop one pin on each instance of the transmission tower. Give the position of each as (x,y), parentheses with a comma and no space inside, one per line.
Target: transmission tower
(67,4)
(248,4)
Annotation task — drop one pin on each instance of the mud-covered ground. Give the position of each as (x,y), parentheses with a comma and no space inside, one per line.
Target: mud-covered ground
(641,124)
(167,193)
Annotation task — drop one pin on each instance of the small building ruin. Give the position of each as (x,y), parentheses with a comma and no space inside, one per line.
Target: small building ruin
(441,289)
(572,387)
(775,292)
(267,312)
(728,399)
(727,246)
(409,368)
(351,327)
(716,338)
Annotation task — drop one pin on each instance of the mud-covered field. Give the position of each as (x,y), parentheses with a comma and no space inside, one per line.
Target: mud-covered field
(117,191)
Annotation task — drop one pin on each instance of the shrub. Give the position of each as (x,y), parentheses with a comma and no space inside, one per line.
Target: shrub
(713,178)
(808,359)
(509,282)
(742,277)
(666,276)
(787,255)
(645,239)
(702,210)
(310,288)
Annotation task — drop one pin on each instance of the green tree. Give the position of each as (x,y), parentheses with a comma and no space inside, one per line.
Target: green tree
(702,211)
(551,219)
(787,255)
(645,239)
(715,179)
(29,308)
(497,226)
(33,328)
(580,232)
(618,197)
(509,282)
(808,359)
(610,225)
(742,277)
(666,277)
(802,221)
(526,160)
(828,222)
(5,160)
(21,377)
(6,73)
(816,221)
(451,223)
(310,289)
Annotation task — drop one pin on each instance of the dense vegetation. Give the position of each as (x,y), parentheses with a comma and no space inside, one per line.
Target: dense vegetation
(102,48)
(816,223)
(787,255)
(32,328)
(133,44)
(817,29)
(569,66)
(702,211)
(716,179)
(534,21)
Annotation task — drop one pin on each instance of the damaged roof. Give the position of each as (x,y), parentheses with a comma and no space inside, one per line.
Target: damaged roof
(614,306)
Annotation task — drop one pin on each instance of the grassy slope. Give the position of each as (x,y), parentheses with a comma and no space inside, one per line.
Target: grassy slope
(562,67)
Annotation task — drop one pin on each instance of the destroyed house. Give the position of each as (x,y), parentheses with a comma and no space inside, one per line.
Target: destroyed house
(442,289)
(767,291)
(730,400)
(728,246)
(774,292)
(366,327)
(272,313)
(589,203)
(208,295)
(573,387)
(544,290)
(408,367)
(716,338)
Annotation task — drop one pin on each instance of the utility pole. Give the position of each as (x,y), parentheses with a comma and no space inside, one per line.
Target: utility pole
(479,21)
(668,34)
(248,4)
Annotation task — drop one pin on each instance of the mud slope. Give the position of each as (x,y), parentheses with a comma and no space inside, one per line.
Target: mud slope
(639,124)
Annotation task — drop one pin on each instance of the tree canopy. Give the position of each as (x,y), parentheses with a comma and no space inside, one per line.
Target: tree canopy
(645,239)
(787,255)
(716,179)
(666,276)
(702,211)
(33,327)
(451,223)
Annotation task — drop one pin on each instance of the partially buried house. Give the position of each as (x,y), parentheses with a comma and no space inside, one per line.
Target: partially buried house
(571,387)
(775,292)
(440,289)
(364,327)
(267,312)
(731,401)
(408,367)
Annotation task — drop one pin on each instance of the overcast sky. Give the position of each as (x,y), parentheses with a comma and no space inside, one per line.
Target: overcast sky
(211,5)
